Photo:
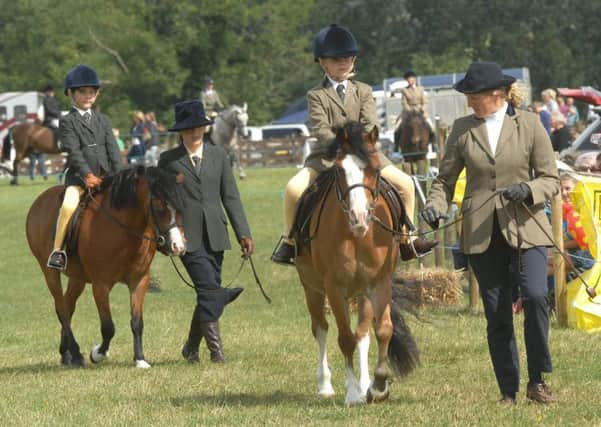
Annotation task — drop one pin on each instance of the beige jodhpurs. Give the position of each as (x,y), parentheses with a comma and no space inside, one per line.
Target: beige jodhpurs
(70,202)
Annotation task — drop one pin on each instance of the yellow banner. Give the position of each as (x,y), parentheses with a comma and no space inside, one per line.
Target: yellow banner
(583,312)
(459,189)
(586,199)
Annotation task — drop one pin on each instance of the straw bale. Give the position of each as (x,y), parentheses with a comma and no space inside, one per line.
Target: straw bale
(430,287)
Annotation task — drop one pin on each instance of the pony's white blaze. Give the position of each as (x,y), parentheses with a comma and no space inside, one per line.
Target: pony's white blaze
(324,376)
(364,380)
(353,170)
(178,246)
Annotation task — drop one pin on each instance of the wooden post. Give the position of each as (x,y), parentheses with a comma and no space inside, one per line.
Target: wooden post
(440,137)
(559,267)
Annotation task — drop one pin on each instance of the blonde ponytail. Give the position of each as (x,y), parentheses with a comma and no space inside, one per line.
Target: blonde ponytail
(515,95)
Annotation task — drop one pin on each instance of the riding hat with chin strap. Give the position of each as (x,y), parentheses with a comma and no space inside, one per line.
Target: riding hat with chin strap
(334,42)
(81,76)
(188,115)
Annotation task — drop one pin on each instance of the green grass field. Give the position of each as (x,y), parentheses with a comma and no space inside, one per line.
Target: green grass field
(270,375)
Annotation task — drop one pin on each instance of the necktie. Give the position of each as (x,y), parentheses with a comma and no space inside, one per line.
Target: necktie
(196,160)
(340,91)
(87,117)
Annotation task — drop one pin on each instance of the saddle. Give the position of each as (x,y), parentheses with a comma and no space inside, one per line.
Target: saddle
(313,196)
(72,236)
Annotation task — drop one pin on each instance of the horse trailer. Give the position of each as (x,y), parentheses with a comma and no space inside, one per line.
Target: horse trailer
(17,107)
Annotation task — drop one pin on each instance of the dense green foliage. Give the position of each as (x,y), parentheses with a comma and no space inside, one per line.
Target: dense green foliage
(150,53)
(272,358)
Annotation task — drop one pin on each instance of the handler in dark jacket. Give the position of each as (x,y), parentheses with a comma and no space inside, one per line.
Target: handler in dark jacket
(210,188)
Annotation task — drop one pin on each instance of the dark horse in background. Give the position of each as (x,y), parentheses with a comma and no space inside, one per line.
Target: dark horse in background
(26,138)
(412,138)
(351,252)
(136,212)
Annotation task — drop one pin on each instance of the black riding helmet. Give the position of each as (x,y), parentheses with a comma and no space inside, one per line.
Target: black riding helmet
(334,42)
(408,74)
(80,76)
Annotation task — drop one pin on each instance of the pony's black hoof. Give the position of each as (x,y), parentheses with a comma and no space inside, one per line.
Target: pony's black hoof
(78,362)
(68,361)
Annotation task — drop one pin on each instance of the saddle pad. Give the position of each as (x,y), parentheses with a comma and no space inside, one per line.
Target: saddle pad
(318,191)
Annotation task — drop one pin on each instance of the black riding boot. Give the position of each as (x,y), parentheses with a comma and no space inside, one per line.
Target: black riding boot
(284,253)
(210,332)
(190,349)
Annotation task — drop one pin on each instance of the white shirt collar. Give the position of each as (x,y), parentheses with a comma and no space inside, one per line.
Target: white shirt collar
(494,124)
(335,83)
(82,112)
(198,151)
(499,115)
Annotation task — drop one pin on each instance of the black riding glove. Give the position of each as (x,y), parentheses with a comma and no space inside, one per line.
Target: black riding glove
(432,216)
(518,192)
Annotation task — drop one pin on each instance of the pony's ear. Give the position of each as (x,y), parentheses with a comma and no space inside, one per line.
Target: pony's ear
(245,107)
(179,178)
(374,134)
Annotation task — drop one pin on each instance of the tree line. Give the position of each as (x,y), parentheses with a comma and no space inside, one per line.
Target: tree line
(151,53)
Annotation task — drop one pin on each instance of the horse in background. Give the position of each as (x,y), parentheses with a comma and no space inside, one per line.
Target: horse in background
(349,255)
(25,138)
(230,125)
(136,212)
(412,137)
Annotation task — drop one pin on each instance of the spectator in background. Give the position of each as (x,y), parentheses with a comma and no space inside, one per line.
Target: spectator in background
(543,114)
(576,130)
(38,157)
(563,107)
(549,96)
(120,143)
(152,139)
(136,149)
(560,137)
(572,116)
(574,239)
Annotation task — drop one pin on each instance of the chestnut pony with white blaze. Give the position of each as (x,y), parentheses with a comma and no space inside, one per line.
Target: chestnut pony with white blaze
(136,213)
(351,256)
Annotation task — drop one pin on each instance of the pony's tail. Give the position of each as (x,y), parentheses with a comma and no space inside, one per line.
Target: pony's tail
(403,353)
(6,146)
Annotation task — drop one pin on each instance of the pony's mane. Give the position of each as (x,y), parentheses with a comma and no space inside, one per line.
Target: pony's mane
(122,187)
(354,132)
(416,115)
